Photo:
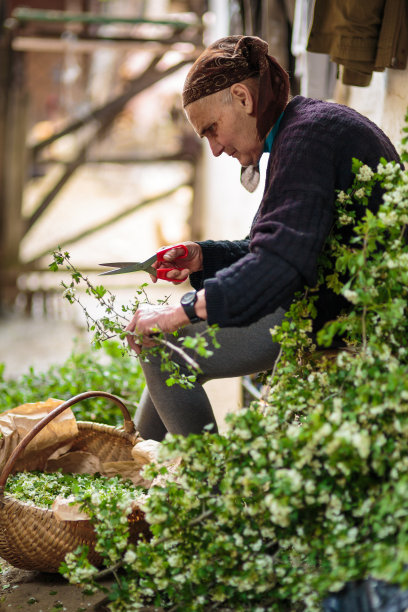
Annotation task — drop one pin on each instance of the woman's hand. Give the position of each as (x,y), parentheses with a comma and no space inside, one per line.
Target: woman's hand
(149,319)
(184,266)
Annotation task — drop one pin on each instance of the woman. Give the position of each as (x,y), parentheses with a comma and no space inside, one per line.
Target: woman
(236,96)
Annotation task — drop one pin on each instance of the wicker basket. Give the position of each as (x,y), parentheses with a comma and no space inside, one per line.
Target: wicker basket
(32,538)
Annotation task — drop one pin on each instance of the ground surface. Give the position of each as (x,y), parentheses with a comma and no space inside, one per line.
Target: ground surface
(27,590)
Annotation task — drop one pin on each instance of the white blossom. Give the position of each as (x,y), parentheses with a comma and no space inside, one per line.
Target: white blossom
(365,174)
(342,197)
(129,557)
(351,296)
(279,512)
(360,193)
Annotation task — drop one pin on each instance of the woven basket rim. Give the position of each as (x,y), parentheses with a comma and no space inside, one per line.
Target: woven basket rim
(90,425)
(113,429)
(24,506)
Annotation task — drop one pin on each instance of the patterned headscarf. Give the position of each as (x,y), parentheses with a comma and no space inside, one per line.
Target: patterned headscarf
(232,60)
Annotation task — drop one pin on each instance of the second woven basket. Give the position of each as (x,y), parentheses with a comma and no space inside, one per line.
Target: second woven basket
(32,538)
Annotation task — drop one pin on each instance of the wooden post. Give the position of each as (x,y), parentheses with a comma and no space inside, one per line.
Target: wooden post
(13,105)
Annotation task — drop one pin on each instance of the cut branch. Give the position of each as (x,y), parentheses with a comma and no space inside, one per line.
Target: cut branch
(189,360)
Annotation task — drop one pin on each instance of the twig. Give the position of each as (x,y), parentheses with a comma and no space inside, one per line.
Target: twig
(275,365)
(201,517)
(109,305)
(119,564)
(71,268)
(180,351)
(271,377)
(364,329)
(108,570)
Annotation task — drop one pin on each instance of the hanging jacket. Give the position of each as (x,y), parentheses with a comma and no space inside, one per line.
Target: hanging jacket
(361,36)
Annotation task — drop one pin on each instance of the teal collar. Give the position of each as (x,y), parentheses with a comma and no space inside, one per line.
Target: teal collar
(271,136)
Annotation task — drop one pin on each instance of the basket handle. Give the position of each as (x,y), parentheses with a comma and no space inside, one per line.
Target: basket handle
(129,427)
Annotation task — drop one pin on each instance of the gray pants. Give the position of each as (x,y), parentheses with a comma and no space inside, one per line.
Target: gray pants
(244,350)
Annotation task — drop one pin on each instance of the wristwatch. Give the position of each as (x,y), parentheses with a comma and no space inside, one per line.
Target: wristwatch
(187,301)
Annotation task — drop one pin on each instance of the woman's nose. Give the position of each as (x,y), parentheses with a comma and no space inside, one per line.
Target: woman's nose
(215,147)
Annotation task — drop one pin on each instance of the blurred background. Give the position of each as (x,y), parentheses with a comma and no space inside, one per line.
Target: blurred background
(96,155)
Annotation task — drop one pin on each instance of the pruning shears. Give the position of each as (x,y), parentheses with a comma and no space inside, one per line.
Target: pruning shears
(123,267)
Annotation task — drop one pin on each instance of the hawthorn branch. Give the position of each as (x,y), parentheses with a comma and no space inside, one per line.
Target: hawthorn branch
(189,360)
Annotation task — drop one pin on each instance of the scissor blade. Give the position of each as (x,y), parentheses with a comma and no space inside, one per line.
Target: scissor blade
(119,264)
(131,266)
(119,271)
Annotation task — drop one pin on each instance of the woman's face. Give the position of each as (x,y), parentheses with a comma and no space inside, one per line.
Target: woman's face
(229,127)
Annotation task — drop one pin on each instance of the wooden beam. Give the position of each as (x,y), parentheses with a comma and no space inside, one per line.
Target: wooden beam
(5,51)
(132,159)
(23,14)
(149,77)
(104,116)
(86,45)
(13,106)
(16,162)
(96,113)
(125,213)
(54,191)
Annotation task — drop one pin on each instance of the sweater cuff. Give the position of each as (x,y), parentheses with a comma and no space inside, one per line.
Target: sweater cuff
(196,280)
(213,253)
(215,304)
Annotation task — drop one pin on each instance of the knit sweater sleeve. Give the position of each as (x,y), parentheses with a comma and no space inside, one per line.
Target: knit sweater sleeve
(217,255)
(282,259)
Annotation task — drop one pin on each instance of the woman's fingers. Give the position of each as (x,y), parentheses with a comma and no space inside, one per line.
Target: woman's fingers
(130,338)
(178,274)
(148,320)
(173,253)
(142,328)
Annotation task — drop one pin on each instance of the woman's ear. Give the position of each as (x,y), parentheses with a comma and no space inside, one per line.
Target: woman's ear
(243,97)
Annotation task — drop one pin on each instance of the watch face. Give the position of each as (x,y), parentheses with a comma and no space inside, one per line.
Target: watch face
(188,298)
(187,301)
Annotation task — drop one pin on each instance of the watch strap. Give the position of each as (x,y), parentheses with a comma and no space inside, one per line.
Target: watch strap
(188,301)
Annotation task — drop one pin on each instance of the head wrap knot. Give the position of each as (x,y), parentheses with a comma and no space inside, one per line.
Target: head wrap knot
(232,60)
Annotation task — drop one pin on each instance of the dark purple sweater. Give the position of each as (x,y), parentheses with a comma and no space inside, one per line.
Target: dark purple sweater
(311,158)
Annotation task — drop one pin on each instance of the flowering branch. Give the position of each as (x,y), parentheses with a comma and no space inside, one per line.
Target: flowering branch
(112,323)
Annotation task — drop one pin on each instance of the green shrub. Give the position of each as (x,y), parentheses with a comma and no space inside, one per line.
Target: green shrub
(308,489)
(109,370)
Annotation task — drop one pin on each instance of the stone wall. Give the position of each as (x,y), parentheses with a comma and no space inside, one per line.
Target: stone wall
(385,101)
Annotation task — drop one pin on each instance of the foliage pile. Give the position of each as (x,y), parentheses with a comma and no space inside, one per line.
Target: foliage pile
(308,489)
(40,489)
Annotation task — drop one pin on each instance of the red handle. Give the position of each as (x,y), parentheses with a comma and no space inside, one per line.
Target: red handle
(162,272)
